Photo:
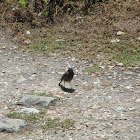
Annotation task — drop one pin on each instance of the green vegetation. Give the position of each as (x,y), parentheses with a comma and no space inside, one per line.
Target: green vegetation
(28,117)
(93,69)
(46,123)
(79,49)
(124,54)
(57,124)
(22,2)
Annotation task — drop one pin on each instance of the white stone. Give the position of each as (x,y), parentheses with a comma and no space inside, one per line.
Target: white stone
(28,33)
(120,33)
(59,40)
(120,64)
(115,40)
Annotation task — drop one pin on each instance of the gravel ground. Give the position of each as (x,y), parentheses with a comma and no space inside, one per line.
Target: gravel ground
(104,106)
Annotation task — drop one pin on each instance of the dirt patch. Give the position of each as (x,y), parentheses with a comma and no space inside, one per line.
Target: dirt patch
(86,37)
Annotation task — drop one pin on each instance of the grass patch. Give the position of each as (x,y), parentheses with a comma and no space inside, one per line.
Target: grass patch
(124,54)
(57,124)
(68,47)
(28,117)
(45,46)
(46,123)
(93,69)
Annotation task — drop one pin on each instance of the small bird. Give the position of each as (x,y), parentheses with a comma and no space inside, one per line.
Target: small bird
(67,76)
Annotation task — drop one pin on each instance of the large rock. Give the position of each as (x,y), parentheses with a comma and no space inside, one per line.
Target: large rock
(36,100)
(11,125)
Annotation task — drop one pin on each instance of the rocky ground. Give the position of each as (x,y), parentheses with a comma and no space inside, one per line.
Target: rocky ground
(104,105)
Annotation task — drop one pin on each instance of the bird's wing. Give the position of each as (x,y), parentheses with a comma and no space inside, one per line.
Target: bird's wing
(65,75)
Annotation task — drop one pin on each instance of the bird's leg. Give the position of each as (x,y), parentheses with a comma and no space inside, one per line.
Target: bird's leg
(64,83)
(60,82)
(70,84)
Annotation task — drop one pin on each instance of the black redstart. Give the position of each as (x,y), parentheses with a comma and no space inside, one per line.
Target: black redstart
(67,76)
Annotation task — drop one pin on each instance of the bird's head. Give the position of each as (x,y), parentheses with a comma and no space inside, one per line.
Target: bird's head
(70,70)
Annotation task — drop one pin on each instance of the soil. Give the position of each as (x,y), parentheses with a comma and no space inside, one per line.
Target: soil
(104,105)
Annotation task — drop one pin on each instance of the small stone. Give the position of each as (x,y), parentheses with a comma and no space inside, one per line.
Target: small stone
(120,64)
(115,74)
(22,79)
(60,72)
(59,40)
(27,41)
(109,75)
(93,75)
(3,47)
(28,33)
(137,100)
(104,93)
(79,128)
(115,40)
(92,107)
(120,33)
(84,83)
(128,87)
(132,108)
(120,108)
(73,59)
(32,77)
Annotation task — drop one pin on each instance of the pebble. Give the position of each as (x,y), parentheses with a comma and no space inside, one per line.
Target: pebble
(120,64)
(22,79)
(128,87)
(115,40)
(120,108)
(60,40)
(28,32)
(109,75)
(132,108)
(114,74)
(120,33)
(32,77)
(137,100)
(27,41)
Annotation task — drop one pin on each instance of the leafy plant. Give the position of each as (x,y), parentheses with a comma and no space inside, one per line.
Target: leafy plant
(22,2)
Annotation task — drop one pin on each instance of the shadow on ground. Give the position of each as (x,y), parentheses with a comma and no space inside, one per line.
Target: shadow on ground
(69,90)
